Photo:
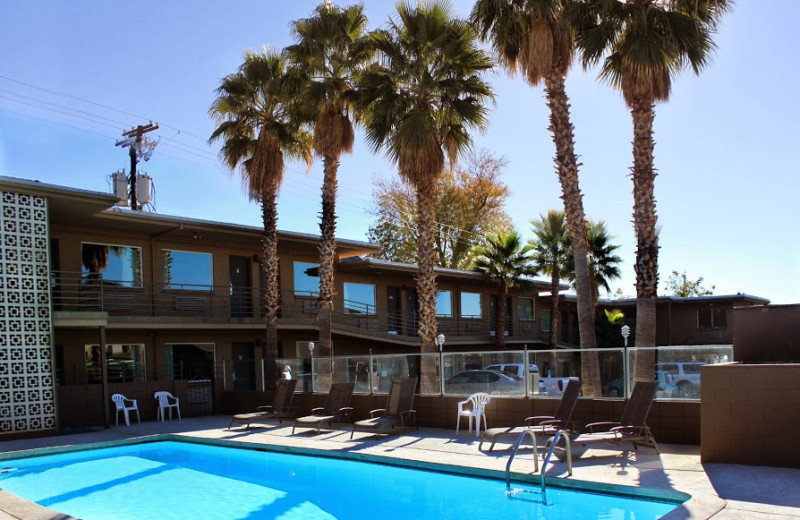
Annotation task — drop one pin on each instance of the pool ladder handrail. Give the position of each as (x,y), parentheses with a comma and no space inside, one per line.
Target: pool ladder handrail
(526,431)
(552,442)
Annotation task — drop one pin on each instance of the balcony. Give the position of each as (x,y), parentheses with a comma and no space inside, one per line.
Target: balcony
(226,304)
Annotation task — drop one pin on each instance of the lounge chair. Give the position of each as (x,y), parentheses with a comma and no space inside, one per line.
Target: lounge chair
(337,408)
(281,407)
(541,424)
(398,412)
(630,428)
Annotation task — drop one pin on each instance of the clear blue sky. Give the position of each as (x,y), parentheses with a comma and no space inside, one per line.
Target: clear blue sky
(74,75)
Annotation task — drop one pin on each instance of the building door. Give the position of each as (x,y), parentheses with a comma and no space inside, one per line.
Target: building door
(412,309)
(394,310)
(244,366)
(493,315)
(241,303)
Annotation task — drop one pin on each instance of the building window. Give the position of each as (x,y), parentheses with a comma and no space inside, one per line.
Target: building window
(306,279)
(126,363)
(712,318)
(187,270)
(444,304)
(526,309)
(544,325)
(189,361)
(470,305)
(359,298)
(113,264)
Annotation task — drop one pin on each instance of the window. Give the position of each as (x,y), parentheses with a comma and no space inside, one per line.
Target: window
(544,326)
(115,265)
(470,305)
(359,298)
(444,304)
(712,318)
(189,361)
(187,270)
(306,279)
(125,363)
(526,309)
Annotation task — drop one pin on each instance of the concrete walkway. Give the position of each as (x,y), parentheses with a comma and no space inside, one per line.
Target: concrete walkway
(719,491)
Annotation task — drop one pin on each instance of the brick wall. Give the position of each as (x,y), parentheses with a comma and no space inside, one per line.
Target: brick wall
(750,414)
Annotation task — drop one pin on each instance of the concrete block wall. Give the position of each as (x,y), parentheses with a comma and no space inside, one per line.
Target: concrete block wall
(750,414)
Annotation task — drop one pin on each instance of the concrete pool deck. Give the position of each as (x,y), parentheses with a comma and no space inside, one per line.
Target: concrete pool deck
(719,491)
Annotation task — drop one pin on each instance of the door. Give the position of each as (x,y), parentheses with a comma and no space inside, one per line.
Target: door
(509,321)
(394,311)
(241,303)
(244,366)
(412,308)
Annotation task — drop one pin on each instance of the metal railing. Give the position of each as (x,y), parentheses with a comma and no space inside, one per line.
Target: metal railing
(74,291)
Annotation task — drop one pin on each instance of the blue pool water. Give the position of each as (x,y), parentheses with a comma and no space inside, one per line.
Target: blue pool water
(173,480)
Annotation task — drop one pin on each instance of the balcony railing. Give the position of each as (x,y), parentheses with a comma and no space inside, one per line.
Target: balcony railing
(72,291)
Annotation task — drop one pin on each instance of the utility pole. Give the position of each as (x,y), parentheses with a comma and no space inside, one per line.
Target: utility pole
(133,140)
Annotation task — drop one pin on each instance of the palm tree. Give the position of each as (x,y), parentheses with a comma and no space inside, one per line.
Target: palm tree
(253,112)
(504,260)
(603,261)
(420,101)
(646,43)
(331,47)
(551,256)
(533,36)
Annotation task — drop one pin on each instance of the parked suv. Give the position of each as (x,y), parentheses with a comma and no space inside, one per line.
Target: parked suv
(685,377)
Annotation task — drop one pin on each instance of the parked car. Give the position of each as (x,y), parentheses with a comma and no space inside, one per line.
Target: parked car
(489,381)
(518,369)
(666,386)
(686,375)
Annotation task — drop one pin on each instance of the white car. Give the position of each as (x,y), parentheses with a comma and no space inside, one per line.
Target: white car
(685,377)
(518,369)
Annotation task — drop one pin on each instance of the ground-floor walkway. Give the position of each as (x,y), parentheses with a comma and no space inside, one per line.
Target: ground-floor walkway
(719,491)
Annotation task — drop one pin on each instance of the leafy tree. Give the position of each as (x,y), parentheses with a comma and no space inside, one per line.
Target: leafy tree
(644,44)
(679,284)
(550,256)
(420,101)
(253,115)
(469,204)
(331,47)
(504,260)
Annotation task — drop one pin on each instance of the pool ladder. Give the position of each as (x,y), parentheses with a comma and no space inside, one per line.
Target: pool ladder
(530,432)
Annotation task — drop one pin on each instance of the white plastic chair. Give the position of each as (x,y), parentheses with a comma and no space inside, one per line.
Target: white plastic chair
(125,405)
(477,409)
(166,401)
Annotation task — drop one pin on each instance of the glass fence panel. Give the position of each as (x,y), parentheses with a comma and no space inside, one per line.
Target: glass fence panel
(555,367)
(677,368)
(496,373)
(298,368)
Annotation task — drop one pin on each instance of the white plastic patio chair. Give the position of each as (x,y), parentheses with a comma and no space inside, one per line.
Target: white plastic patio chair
(474,406)
(125,406)
(166,401)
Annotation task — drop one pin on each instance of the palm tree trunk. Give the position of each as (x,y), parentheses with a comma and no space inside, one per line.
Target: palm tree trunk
(645,220)
(327,251)
(269,215)
(426,282)
(567,169)
(500,327)
(555,277)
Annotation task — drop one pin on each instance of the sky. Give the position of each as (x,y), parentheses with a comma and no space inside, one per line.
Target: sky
(75,75)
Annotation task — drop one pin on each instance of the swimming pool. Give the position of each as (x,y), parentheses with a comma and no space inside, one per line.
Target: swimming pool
(176,480)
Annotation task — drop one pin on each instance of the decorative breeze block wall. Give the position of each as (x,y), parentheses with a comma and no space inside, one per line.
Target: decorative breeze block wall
(27,401)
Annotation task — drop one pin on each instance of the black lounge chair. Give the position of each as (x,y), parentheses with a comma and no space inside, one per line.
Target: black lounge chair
(281,408)
(541,424)
(399,410)
(337,408)
(630,428)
